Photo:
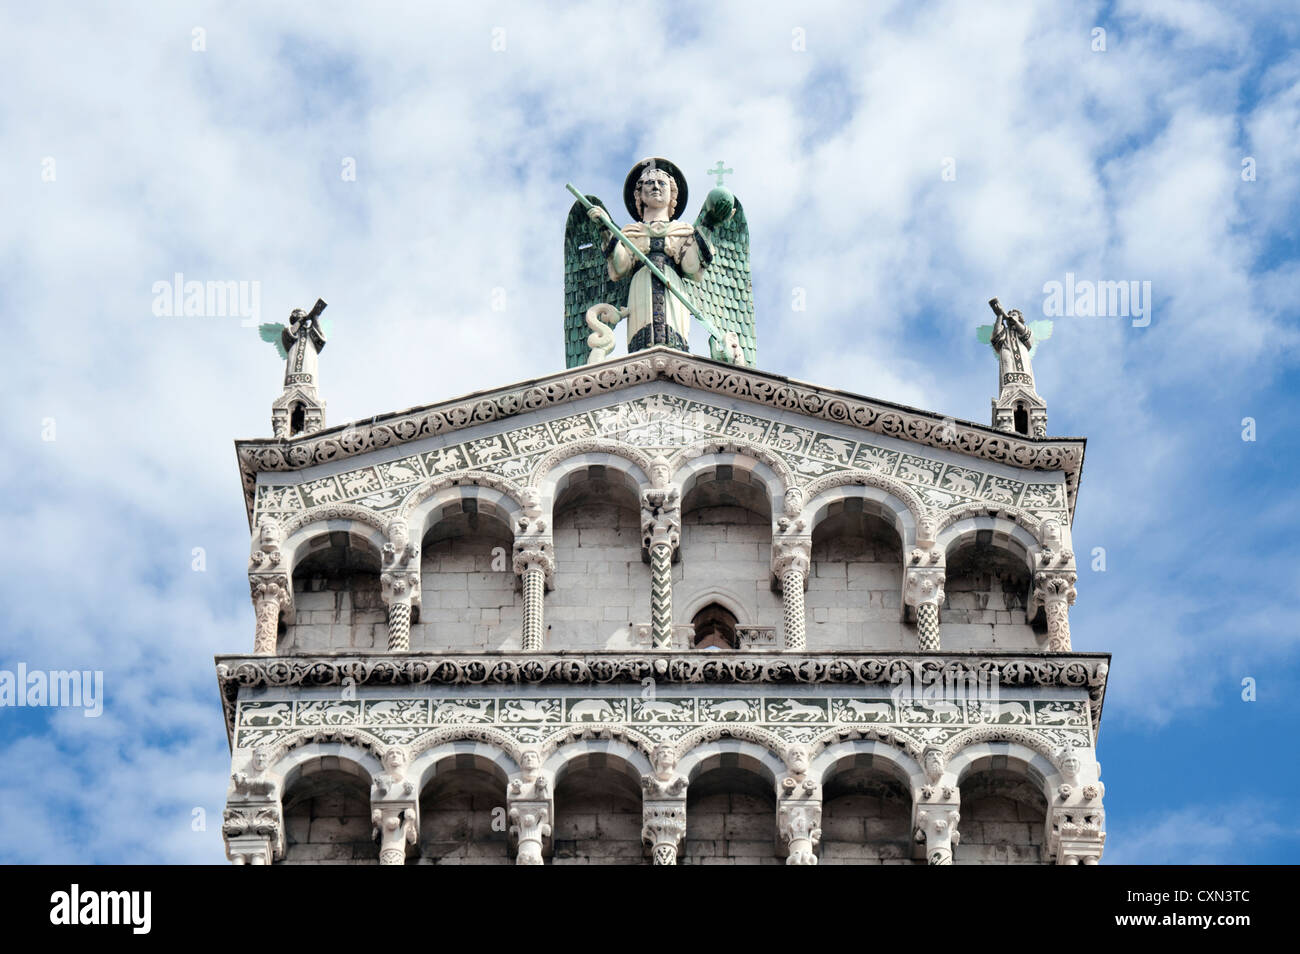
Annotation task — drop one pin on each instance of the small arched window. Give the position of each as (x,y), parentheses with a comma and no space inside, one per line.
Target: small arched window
(297,420)
(1022,420)
(715,628)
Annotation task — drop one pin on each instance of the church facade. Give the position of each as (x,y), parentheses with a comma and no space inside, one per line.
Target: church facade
(661,608)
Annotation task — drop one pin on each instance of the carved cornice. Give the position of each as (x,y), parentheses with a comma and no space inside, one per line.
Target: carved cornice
(692,371)
(1062,670)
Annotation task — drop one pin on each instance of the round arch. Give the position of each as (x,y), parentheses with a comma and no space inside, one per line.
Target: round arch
(884,503)
(362,526)
(994,755)
(615,456)
(702,458)
(620,756)
(351,757)
(423,515)
(460,754)
(740,753)
(1006,534)
(868,753)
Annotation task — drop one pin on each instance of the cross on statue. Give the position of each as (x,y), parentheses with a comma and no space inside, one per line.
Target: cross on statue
(720,172)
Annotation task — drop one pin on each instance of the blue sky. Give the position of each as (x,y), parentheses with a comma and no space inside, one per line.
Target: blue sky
(224,163)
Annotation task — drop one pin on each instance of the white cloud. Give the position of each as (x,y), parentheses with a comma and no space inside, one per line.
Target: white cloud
(226,164)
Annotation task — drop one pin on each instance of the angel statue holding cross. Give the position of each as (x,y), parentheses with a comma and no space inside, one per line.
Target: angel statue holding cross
(657,272)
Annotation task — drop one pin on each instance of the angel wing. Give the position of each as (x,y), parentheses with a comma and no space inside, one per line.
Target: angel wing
(586,281)
(724,291)
(271,331)
(984,333)
(1041,331)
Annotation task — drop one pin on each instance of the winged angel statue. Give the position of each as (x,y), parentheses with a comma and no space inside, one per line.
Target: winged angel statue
(657,272)
(1015,341)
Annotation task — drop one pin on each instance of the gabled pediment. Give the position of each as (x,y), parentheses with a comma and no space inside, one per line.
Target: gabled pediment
(663,402)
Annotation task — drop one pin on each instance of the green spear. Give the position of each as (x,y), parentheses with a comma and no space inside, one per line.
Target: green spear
(631,247)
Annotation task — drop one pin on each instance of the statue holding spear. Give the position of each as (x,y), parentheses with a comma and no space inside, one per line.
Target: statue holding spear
(657,272)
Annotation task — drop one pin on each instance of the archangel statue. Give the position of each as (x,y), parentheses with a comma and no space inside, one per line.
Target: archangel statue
(705,264)
(1018,406)
(299,343)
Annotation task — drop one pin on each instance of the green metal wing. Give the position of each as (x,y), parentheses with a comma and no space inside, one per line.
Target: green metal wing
(984,333)
(724,291)
(271,331)
(1041,331)
(586,280)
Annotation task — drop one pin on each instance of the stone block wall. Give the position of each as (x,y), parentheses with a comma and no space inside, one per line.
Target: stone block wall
(597,820)
(327,822)
(1002,821)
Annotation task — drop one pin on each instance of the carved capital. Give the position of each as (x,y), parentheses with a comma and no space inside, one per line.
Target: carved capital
(1077,834)
(923,584)
(799,824)
(1051,586)
(253,830)
(792,552)
(661,518)
(935,824)
(530,826)
(535,551)
(400,585)
(663,826)
(396,827)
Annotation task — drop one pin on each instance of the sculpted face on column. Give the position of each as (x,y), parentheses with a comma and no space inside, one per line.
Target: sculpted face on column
(393,781)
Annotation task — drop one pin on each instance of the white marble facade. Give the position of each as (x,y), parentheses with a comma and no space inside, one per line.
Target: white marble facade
(499,596)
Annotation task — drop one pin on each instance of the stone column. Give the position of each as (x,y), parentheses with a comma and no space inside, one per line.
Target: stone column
(253,830)
(1054,591)
(394,808)
(799,807)
(534,562)
(791,559)
(663,805)
(399,581)
(531,808)
(923,580)
(272,598)
(1076,830)
(661,528)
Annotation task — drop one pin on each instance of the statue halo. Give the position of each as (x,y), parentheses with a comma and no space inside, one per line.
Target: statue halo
(668,166)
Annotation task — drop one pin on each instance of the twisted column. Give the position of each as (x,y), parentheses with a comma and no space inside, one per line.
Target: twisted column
(534,562)
(791,559)
(272,598)
(1054,591)
(923,582)
(399,581)
(661,528)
